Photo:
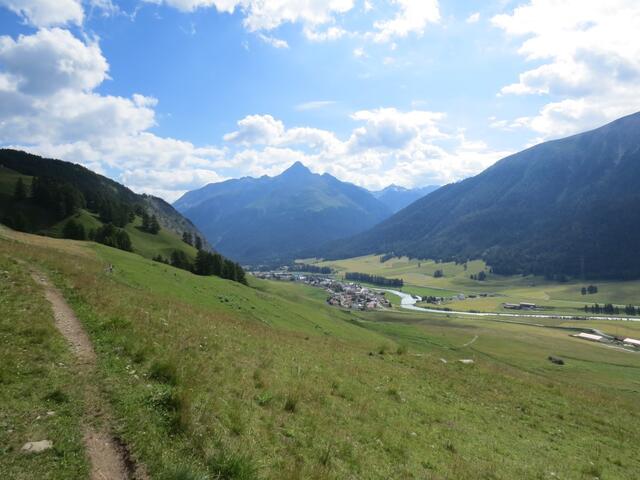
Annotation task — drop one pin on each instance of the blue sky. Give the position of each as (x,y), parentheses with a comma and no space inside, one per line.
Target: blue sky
(168,95)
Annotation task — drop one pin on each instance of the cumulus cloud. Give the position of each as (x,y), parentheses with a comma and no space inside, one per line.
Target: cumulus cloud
(412,17)
(52,60)
(46,13)
(388,146)
(48,105)
(266,15)
(318,17)
(256,129)
(587,62)
(390,128)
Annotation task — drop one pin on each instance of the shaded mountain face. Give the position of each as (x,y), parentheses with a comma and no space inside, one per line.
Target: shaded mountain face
(269,219)
(396,198)
(565,207)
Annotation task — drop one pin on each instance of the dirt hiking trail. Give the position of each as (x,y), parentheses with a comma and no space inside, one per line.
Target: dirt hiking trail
(110,459)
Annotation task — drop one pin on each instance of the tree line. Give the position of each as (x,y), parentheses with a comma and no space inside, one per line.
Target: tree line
(611,309)
(206,264)
(374,279)
(303,267)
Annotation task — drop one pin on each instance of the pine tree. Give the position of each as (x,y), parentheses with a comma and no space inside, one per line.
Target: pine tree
(145,221)
(186,238)
(20,192)
(154,225)
(198,242)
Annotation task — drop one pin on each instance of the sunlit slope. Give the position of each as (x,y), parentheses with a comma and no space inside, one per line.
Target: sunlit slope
(211,379)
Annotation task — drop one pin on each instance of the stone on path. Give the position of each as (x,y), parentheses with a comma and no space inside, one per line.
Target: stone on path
(37,447)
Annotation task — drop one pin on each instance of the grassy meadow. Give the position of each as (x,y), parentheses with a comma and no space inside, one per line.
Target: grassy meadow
(210,379)
(550,296)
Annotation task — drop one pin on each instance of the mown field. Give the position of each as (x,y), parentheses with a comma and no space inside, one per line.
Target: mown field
(209,379)
(551,296)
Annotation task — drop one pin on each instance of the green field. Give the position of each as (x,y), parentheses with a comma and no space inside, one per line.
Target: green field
(210,379)
(549,296)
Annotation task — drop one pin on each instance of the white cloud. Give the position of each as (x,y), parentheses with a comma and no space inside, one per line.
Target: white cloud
(389,146)
(48,105)
(318,17)
(589,64)
(256,129)
(268,15)
(52,60)
(390,128)
(46,13)
(273,41)
(359,52)
(473,18)
(314,105)
(412,17)
(329,34)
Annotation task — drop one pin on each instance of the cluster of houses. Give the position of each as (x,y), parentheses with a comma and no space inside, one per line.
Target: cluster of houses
(357,297)
(341,294)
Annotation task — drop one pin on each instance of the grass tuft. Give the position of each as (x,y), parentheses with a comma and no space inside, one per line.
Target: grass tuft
(164,372)
(225,465)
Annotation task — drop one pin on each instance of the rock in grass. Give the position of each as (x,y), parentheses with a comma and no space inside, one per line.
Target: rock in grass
(37,447)
(466,361)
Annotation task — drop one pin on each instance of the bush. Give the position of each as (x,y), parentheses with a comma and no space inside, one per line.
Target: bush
(112,236)
(74,230)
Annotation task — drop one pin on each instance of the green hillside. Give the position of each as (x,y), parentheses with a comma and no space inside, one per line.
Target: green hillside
(65,200)
(211,379)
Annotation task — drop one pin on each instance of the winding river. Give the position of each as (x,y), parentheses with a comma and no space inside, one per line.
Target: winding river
(408,302)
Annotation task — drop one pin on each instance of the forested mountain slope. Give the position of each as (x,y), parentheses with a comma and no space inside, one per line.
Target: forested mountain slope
(564,207)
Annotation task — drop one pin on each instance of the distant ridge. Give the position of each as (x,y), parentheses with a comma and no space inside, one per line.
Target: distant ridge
(270,219)
(397,198)
(564,207)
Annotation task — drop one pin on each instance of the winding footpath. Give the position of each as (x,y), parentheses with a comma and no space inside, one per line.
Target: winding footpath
(110,459)
(408,302)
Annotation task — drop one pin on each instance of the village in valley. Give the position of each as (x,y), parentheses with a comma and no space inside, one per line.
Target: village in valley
(349,295)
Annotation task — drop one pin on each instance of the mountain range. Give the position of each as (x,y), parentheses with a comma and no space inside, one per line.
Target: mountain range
(396,197)
(563,207)
(271,219)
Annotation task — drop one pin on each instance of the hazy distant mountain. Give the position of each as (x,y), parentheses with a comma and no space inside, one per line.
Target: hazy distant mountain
(396,198)
(569,206)
(261,220)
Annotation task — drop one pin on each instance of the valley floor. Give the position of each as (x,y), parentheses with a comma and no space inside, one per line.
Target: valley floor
(210,379)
